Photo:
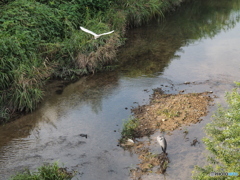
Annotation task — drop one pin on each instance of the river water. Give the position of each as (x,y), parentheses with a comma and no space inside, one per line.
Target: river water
(197,43)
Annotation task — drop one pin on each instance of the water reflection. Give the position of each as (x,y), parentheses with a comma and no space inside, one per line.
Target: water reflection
(151,48)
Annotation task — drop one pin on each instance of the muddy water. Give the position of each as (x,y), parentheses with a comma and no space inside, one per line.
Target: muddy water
(198,43)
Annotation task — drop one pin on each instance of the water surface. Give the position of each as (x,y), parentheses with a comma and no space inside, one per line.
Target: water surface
(196,43)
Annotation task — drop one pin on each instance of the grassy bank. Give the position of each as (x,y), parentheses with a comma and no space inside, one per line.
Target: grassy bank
(40,39)
(223,141)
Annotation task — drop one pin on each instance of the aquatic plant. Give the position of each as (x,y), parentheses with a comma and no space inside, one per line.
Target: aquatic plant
(223,141)
(45,172)
(129,127)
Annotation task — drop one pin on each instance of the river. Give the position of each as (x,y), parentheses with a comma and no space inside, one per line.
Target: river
(197,43)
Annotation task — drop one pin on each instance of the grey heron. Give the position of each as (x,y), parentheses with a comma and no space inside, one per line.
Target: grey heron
(163,143)
(94,34)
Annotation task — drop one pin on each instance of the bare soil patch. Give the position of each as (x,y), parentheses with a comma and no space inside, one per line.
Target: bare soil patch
(165,112)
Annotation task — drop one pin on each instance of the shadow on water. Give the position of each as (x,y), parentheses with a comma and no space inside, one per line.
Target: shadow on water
(198,42)
(150,49)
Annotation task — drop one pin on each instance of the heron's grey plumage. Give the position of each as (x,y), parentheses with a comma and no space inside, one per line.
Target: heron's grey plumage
(162,142)
(93,33)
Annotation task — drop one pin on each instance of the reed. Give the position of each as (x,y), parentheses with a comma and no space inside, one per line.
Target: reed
(139,12)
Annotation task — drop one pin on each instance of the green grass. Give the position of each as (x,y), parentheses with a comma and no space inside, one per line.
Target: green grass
(223,141)
(46,172)
(129,129)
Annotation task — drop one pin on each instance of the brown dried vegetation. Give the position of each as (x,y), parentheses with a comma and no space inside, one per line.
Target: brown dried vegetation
(167,112)
(102,56)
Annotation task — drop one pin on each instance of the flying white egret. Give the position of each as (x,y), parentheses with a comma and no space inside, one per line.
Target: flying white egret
(94,34)
(163,143)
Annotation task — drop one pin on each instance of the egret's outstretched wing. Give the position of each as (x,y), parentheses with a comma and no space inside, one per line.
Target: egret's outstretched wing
(88,31)
(106,33)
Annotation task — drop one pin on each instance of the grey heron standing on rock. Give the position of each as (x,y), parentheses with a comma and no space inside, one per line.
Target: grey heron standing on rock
(163,143)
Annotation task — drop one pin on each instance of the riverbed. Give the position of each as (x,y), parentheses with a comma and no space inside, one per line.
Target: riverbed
(79,124)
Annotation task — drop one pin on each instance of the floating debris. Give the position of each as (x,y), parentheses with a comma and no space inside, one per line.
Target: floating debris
(130,140)
(83,135)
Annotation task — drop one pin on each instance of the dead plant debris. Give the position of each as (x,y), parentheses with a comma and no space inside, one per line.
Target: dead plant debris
(167,112)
